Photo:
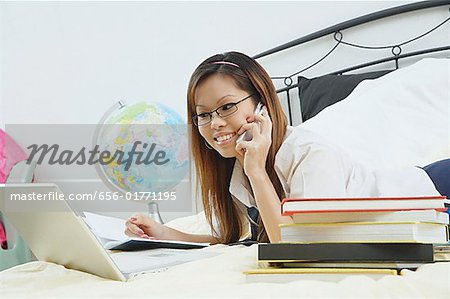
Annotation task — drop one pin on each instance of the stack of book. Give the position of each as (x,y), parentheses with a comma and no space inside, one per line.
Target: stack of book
(372,236)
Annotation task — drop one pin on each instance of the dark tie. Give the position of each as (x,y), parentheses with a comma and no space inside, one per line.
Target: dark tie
(253,214)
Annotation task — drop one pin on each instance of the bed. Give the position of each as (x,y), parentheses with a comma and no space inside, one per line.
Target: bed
(216,277)
(221,275)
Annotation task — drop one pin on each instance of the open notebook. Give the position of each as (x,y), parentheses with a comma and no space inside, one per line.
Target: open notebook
(109,232)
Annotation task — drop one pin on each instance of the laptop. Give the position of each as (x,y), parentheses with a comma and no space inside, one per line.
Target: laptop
(60,236)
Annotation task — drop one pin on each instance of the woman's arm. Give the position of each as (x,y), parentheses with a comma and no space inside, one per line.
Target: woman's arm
(174,234)
(141,225)
(269,206)
(253,156)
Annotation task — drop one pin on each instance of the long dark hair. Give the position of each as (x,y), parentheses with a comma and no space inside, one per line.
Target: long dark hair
(213,170)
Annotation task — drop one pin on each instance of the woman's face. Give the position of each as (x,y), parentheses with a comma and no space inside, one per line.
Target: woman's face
(221,133)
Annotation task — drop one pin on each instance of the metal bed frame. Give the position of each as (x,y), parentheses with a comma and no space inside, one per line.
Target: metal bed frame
(337,29)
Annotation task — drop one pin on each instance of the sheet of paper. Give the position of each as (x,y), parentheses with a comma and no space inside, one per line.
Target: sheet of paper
(105,227)
(148,260)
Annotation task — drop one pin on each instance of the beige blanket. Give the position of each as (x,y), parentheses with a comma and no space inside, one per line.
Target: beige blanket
(217,277)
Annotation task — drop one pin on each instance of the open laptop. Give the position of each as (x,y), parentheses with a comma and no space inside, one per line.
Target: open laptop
(61,236)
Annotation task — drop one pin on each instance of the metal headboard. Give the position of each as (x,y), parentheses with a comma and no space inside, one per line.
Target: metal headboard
(337,29)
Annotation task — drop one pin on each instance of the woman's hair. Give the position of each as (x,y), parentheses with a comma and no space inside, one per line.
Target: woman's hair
(213,170)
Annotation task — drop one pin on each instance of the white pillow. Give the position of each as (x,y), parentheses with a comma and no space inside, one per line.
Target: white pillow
(400,119)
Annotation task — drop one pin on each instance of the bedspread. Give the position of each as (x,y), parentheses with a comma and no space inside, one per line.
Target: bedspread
(217,277)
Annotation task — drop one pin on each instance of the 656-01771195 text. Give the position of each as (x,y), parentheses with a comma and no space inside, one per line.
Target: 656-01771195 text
(97,195)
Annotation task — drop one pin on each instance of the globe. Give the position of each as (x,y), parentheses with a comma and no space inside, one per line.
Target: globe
(143,148)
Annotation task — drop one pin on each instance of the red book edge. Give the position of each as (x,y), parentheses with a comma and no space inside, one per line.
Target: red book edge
(363,198)
(290,213)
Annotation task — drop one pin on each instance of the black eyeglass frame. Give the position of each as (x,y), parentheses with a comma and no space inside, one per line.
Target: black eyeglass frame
(195,117)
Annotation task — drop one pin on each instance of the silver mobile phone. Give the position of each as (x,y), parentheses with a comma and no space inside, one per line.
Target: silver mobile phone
(247,135)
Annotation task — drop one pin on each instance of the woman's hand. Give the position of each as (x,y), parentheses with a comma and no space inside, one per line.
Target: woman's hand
(255,151)
(142,226)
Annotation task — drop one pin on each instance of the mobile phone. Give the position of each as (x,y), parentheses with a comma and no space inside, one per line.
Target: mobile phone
(247,135)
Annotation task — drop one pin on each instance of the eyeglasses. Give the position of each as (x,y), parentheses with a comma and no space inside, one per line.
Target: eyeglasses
(223,111)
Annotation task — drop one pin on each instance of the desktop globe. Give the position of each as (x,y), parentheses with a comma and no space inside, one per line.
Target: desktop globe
(148,148)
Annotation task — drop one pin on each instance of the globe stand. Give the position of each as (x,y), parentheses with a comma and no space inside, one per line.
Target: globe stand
(153,212)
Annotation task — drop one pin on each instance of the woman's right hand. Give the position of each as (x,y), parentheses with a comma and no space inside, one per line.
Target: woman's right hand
(142,226)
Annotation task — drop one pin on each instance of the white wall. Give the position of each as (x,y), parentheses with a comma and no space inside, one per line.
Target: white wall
(66,62)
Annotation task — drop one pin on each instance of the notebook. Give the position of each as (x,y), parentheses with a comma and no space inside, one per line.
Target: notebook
(109,232)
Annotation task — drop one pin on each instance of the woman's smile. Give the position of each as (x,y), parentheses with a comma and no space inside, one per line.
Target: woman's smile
(224,139)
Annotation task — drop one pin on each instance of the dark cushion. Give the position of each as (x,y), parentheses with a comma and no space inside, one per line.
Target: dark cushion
(439,172)
(318,93)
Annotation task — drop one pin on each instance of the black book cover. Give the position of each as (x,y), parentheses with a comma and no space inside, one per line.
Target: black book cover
(135,245)
(340,252)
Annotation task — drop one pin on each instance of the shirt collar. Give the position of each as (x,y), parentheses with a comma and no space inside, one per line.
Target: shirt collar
(289,130)
(240,187)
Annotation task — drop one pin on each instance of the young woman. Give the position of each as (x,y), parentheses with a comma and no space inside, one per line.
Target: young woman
(242,184)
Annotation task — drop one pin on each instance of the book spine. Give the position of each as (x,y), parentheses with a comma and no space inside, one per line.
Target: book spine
(355,252)
(290,213)
(362,198)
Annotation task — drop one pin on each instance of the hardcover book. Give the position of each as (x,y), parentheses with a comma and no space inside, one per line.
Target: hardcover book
(346,252)
(291,206)
(379,232)
(432,216)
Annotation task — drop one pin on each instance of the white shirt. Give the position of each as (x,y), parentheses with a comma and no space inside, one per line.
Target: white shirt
(308,166)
